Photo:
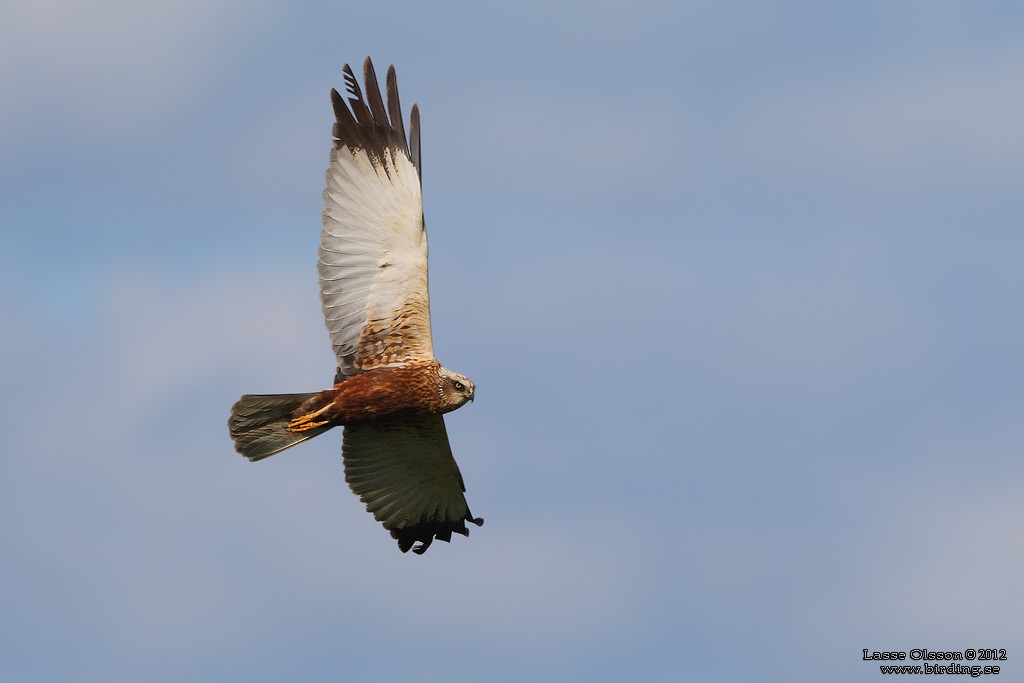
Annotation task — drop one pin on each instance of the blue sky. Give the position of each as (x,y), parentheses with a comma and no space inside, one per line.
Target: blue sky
(740,285)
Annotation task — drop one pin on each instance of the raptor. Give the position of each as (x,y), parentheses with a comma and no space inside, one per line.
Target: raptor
(390,394)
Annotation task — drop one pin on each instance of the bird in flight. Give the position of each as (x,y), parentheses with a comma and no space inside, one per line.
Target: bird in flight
(389,392)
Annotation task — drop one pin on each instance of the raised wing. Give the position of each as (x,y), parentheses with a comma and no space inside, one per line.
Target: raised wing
(373,248)
(405,473)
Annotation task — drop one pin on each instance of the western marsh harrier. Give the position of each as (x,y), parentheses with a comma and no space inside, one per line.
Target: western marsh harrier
(389,392)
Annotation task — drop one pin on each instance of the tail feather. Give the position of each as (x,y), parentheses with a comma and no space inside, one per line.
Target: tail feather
(258,424)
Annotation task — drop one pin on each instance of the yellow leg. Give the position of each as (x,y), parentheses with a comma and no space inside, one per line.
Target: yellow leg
(304,422)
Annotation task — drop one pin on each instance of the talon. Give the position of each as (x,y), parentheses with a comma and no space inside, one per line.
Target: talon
(304,422)
(299,426)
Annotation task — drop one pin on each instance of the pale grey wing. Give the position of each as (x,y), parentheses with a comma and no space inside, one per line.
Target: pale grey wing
(373,247)
(405,473)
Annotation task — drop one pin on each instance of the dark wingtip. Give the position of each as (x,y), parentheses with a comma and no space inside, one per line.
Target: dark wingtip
(419,536)
(414,140)
(366,123)
(351,84)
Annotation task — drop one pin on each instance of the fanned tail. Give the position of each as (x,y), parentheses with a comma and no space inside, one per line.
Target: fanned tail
(259,422)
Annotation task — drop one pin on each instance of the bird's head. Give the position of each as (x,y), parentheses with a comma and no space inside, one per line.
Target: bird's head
(455,389)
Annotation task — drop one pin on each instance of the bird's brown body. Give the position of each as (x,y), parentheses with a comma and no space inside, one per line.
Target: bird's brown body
(379,393)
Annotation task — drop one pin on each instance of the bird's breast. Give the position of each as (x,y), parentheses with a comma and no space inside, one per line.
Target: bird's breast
(383,392)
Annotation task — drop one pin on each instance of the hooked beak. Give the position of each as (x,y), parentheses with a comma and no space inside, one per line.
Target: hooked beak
(472,394)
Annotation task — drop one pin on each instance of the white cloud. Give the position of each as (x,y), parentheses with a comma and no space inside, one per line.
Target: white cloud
(920,116)
(107,68)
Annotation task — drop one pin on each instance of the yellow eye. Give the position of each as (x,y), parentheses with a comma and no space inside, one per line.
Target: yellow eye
(459,386)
